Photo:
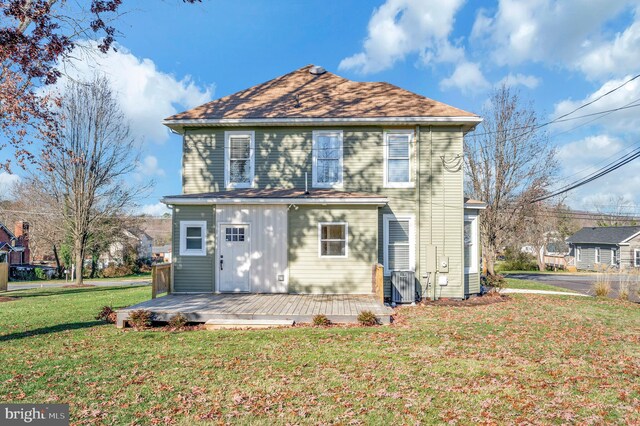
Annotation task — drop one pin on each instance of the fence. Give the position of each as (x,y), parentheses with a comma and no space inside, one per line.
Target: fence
(160,279)
(4,276)
(377,282)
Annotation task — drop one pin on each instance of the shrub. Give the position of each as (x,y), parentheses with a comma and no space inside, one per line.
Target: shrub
(140,318)
(178,321)
(321,320)
(107,314)
(113,271)
(40,274)
(602,286)
(516,260)
(367,318)
(495,281)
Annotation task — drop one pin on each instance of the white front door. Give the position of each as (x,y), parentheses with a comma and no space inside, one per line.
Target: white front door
(234,262)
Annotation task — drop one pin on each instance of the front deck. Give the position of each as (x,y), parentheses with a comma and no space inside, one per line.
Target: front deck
(300,308)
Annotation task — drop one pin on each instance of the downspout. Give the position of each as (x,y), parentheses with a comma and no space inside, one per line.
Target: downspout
(433,281)
(418,205)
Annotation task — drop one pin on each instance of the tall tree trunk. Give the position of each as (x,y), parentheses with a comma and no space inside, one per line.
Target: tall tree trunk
(79,256)
(490,259)
(59,270)
(540,260)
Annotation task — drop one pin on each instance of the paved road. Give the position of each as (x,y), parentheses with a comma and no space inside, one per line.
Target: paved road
(580,283)
(99,283)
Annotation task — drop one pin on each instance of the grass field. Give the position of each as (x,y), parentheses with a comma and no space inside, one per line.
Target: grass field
(143,276)
(533,285)
(534,359)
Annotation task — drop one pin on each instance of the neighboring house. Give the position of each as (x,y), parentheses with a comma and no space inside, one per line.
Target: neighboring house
(597,248)
(303,183)
(161,254)
(14,246)
(139,242)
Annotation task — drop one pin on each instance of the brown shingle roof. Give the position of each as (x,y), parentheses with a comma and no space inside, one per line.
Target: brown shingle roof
(277,193)
(301,94)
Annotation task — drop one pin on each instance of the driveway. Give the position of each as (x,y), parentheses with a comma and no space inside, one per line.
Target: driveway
(99,283)
(581,283)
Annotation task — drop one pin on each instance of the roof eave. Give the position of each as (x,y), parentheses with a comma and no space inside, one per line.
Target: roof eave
(205,201)
(467,122)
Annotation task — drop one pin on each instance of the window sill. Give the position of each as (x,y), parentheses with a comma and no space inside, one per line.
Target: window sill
(400,185)
(328,186)
(239,185)
(193,253)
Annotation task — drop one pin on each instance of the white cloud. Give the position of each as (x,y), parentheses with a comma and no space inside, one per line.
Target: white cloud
(553,32)
(627,120)
(146,94)
(149,167)
(583,157)
(401,27)
(467,77)
(7,181)
(157,209)
(620,55)
(528,81)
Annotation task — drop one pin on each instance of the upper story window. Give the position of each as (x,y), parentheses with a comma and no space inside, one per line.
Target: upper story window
(397,159)
(327,158)
(239,159)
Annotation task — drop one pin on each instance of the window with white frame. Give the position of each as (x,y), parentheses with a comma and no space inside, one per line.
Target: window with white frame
(333,239)
(597,255)
(397,162)
(636,258)
(470,244)
(193,237)
(399,243)
(614,256)
(327,158)
(578,254)
(239,159)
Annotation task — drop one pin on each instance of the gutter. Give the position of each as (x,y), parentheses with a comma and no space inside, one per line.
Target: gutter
(179,125)
(179,201)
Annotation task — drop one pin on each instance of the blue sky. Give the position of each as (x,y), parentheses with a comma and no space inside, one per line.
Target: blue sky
(173,56)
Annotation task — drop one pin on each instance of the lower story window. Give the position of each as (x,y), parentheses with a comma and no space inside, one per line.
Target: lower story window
(470,244)
(333,239)
(636,258)
(614,257)
(597,255)
(399,244)
(193,238)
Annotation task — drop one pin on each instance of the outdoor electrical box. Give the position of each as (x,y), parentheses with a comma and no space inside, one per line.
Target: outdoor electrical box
(443,264)
(431,253)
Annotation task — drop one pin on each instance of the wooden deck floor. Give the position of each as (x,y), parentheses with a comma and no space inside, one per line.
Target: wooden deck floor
(342,308)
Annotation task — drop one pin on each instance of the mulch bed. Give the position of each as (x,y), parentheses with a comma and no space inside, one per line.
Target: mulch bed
(472,301)
(7,299)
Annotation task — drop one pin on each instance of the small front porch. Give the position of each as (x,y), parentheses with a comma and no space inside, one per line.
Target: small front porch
(300,308)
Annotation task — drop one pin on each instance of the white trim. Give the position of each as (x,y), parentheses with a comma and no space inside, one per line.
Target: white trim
(184,224)
(578,254)
(473,268)
(321,121)
(385,240)
(631,238)
(346,240)
(482,206)
(597,255)
(411,183)
(314,180)
(636,258)
(613,252)
(252,158)
(377,201)
(216,260)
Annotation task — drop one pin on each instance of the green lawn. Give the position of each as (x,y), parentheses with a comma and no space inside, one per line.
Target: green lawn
(533,359)
(133,277)
(533,285)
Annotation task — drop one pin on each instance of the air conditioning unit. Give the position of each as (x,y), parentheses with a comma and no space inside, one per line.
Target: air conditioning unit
(403,287)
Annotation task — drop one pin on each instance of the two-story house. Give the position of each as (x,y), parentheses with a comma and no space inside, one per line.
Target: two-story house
(303,183)
(14,246)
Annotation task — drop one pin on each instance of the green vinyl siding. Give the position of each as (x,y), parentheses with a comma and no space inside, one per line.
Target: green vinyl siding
(284,154)
(310,273)
(192,274)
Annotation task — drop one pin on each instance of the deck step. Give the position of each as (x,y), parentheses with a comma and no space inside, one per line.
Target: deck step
(218,324)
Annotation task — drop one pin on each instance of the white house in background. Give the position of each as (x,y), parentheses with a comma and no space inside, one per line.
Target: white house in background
(140,241)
